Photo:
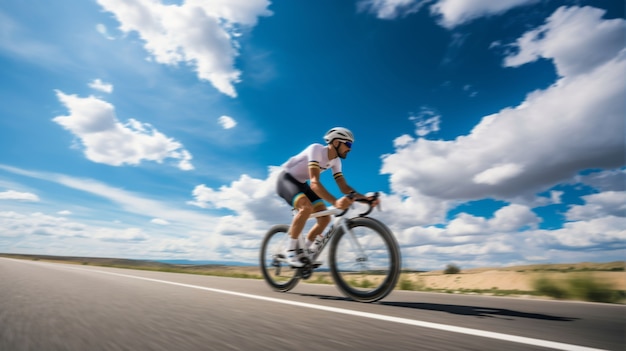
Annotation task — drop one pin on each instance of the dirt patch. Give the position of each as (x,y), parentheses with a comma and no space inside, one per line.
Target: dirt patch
(506,280)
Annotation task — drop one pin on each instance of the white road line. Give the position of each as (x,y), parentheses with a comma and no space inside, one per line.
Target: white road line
(406,321)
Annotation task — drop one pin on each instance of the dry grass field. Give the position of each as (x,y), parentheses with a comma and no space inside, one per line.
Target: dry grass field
(567,281)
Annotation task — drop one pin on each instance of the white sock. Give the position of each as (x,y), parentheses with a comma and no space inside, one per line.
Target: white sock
(308,243)
(293,244)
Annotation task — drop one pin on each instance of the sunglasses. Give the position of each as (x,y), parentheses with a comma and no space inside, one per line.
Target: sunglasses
(348,144)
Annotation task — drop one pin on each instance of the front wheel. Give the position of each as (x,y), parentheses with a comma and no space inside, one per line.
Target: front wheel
(277,274)
(365,261)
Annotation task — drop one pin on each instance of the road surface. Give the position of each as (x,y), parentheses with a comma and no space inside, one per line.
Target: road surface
(52,306)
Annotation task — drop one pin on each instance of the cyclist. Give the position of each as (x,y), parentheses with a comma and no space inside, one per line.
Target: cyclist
(307,198)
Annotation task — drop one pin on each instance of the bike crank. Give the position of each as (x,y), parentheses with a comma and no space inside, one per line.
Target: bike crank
(307,270)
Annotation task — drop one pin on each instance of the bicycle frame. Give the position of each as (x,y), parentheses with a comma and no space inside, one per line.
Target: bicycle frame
(338,221)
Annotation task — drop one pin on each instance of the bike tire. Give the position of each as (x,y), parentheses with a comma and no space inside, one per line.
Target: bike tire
(278,275)
(372,278)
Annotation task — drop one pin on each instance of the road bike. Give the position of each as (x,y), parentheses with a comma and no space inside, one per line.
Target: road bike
(364,257)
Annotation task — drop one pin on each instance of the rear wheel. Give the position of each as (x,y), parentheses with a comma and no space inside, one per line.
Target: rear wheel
(277,274)
(365,262)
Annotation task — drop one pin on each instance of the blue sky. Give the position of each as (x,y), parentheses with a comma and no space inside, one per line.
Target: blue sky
(154,129)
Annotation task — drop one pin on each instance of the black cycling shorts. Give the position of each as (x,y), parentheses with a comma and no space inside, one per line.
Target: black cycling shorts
(290,189)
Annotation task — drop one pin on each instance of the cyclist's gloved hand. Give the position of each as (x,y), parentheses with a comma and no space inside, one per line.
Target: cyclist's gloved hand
(343,202)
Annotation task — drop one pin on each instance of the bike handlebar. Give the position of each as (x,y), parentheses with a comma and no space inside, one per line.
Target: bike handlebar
(370,200)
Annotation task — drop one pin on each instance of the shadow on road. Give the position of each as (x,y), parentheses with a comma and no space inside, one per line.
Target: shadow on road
(486,312)
(326,297)
(482,312)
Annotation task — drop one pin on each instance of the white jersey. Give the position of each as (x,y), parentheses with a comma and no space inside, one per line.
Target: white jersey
(315,155)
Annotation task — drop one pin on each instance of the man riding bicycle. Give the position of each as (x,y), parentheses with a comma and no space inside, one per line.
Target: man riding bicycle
(307,198)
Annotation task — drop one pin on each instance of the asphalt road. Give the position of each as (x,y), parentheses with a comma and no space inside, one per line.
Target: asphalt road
(50,306)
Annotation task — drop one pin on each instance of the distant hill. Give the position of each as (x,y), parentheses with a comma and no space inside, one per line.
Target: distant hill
(107,261)
(195,263)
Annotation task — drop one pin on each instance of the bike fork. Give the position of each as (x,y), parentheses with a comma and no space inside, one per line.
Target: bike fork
(361,257)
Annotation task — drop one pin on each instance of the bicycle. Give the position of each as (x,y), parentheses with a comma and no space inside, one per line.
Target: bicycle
(364,256)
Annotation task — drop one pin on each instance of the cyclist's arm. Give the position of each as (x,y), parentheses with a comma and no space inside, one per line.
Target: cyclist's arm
(344,187)
(317,187)
(320,190)
(347,189)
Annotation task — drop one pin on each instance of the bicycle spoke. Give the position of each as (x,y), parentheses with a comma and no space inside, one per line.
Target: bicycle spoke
(276,272)
(365,261)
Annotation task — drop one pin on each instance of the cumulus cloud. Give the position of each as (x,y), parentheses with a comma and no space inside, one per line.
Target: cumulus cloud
(227,122)
(453,13)
(98,84)
(473,240)
(200,33)
(610,203)
(107,140)
(576,39)
(20,196)
(603,233)
(575,124)
(569,133)
(247,197)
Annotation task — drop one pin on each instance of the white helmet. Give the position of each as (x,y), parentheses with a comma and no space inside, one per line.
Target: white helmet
(338,133)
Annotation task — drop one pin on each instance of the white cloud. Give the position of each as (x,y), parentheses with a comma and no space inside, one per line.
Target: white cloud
(610,203)
(106,140)
(451,13)
(555,196)
(159,221)
(227,122)
(253,204)
(199,33)
(247,197)
(456,12)
(16,195)
(575,124)
(498,174)
(604,233)
(98,84)
(512,218)
(511,237)
(128,201)
(64,213)
(426,121)
(39,224)
(391,9)
(102,236)
(577,39)
(465,224)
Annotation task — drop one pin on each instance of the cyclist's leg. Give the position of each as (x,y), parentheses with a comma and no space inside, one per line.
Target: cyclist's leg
(293,192)
(304,209)
(322,222)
